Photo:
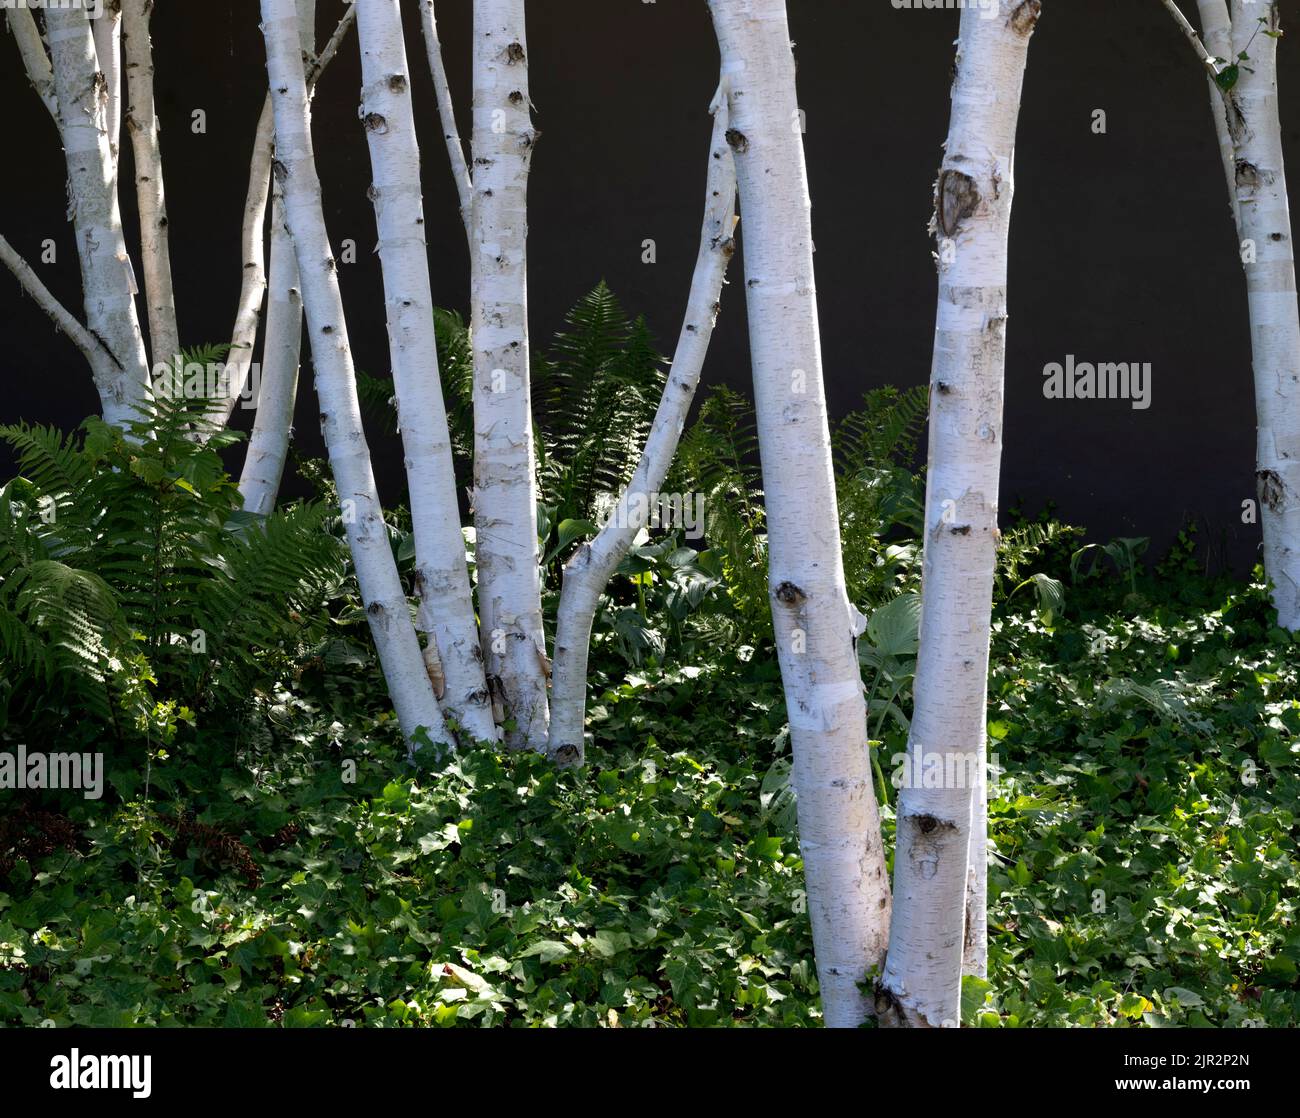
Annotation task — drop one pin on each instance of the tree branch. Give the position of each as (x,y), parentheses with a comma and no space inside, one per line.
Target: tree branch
(252,246)
(447,112)
(1191,35)
(35,61)
(83,339)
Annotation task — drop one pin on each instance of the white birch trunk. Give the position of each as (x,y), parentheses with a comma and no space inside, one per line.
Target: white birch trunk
(268,445)
(1265,227)
(1216,36)
(252,247)
(505,487)
(938,920)
(442,577)
(107,32)
(589,569)
(121,370)
(815,625)
(252,284)
(277,391)
(381,588)
(142,124)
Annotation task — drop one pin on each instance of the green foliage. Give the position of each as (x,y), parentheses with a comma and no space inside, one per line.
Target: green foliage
(595,391)
(280,864)
(881,500)
(718,457)
(1145,865)
(128,575)
(881,497)
(496,891)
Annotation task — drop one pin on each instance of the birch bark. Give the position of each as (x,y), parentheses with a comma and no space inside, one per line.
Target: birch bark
(107,33)
(381,588)
(505,488)
(589,569)
(142,124)
(1265,228)
(268,445)
(35,61)
(121,369)
(815,625)
(939,904)
(277,390)
(446,604)
(1216,35)
(252,247)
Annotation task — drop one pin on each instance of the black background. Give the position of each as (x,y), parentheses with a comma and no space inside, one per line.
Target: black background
(1122,247)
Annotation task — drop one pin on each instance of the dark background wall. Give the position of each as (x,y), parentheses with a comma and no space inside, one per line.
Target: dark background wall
(1122,248)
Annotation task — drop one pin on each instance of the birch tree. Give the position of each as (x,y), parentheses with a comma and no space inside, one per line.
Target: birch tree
(120,367)
(940,851)
(505,483)
(252,246)
(381,588)
(442,578)
(142,124)
(277,390)
(277,393)
(1240,51)
(815,625)
(588,570)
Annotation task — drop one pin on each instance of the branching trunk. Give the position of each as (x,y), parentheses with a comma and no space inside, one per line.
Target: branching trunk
(446,605)
(121,369)
(142,124)
(1238,45)
(815,625)
(381,588)
(1216,35)
(589,569)
(277,391)
(252,248)
(939,861)
(505,487)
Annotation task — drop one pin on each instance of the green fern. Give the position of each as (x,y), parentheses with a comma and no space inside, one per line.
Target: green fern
(127,553)
(594,396)
(718,457)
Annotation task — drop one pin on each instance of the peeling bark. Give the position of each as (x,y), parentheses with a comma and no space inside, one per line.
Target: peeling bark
(505,487)
(121,371)
(142,124)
